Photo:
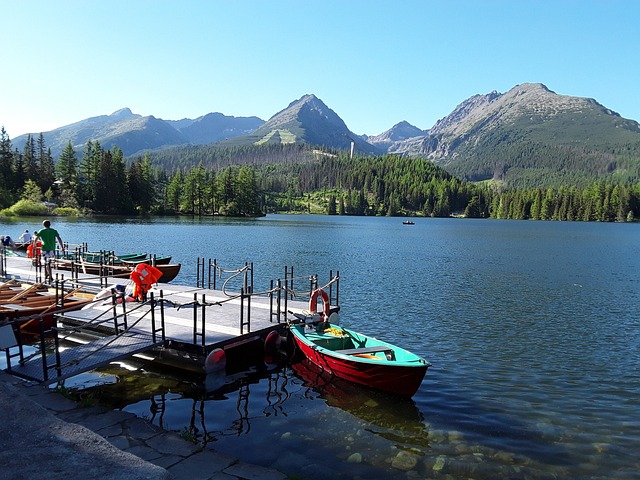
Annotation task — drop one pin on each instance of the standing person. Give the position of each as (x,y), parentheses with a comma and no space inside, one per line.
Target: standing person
(48,237)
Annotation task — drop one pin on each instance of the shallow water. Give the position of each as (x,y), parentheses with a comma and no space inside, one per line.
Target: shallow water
(532,329)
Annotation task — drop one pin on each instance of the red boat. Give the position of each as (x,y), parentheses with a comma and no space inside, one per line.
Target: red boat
(356,357)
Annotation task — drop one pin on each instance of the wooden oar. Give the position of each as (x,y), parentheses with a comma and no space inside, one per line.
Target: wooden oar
(54,305)
(8,284)
(25,292)
(84,267)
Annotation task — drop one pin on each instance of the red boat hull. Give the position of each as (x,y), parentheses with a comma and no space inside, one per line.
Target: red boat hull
(400,380)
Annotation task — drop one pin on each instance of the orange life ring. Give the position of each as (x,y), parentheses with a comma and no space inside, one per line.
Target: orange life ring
(313,302)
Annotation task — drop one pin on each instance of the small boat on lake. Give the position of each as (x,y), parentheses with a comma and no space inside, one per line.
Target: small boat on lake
(111,257)
(169,270)
(151,261)
(408,222)
(21,246)
(353,356)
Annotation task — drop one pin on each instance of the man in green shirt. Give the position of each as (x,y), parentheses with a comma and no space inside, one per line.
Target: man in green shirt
(48,237)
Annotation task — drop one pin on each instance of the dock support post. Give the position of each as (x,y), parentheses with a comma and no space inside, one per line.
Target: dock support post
(270,301)
(279,299)
(45,370)
(288,282)
(195,318)
(286,299)
(154,329)
(243,322)
(164,337)
(334,300)
(203,321)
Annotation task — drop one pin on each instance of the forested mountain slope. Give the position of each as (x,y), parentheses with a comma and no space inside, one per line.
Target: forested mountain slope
(531,136)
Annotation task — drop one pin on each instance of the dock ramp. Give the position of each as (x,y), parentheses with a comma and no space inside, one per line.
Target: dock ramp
(83,358)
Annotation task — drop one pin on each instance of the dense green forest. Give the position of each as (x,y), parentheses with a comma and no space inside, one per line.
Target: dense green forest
(251,181)
(553,151)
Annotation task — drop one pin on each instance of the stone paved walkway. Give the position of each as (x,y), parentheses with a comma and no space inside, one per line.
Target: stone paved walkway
(51,437)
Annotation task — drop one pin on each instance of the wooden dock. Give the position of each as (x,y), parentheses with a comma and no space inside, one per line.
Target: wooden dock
(177,325)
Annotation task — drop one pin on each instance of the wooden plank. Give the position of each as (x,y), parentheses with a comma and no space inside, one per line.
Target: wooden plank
(356,351)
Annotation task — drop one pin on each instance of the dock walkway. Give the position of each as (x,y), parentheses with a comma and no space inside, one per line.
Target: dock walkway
(196,320)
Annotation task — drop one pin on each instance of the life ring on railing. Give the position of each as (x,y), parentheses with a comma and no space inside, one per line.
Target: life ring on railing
(38,250)
(313,302)
(143,276)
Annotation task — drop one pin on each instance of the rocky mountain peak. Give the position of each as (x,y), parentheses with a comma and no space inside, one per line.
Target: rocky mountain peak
(396,136)
(123,113)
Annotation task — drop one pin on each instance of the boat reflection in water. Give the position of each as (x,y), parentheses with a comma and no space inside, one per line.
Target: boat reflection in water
(209,407)
(291,415)
(396,418)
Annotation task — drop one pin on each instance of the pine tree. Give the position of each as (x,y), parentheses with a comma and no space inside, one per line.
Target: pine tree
(7,176)
(46,166)
(29,160)
(67,170)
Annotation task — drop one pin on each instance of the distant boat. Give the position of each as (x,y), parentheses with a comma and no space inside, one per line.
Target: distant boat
(408,222)
(356,357)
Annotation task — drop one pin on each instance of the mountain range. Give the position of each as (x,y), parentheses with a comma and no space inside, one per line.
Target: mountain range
(529,132)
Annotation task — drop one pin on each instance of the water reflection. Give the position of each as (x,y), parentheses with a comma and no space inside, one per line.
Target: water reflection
(393,418)
(304,412)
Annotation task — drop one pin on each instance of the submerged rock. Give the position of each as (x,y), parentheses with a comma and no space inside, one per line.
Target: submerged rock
(404,461)
(355,458)
(439,463)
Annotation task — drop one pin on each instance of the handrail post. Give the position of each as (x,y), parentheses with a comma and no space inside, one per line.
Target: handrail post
(45,370)
(124,315)
(204,330)
(286,303)
(56,341)
(114,307)
(195,318)
(271,301)
(279,298)
(164,337)
(153,319)
(242,311)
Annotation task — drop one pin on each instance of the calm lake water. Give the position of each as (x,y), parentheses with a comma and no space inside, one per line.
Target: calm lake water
(532,328)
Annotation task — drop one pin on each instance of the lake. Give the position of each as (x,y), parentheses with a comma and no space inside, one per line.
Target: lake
(532,328)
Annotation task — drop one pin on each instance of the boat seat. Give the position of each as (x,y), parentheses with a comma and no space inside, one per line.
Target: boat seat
(357,351)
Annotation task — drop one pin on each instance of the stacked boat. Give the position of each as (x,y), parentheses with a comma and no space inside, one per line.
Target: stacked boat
(117,266)
(31,304)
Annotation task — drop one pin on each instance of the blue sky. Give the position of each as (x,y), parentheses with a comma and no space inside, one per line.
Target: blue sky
(375,63)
